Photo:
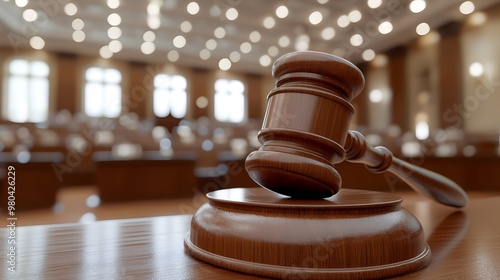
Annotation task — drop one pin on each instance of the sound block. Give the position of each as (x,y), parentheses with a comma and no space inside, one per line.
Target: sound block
(354,234)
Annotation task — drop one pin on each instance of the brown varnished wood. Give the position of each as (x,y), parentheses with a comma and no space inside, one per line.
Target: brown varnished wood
(306,130)
(355,234)
(464,245)
(305,125)
(424,181)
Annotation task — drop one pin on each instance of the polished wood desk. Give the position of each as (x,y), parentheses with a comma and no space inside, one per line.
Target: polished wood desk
(465,245)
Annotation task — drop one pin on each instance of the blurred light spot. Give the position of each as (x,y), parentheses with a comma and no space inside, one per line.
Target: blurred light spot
(87,218)
(202,102)
(93,201)
(467,7)
(193,8)
(207,145)
(282,11)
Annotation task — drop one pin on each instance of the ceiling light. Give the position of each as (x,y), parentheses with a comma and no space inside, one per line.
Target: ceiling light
(255,36)
(265,60)
(245,47)
(193,8)
(104,52)
(328,33)
(113,4)
(282,11)
(231,14)
(211,44)
(77,24)
(284,41)
(219,32)
(37,43)
(374,3)
(154,22)
(179,41)
(30,15)
(148,48)
(423,28)
(21,3)
(385,27)
(356,40)
(224,64)
(235,56)
(153,8)
(323,1)
(343,21)
(186,26)
(70,9)
(149,36)
(115,46)
(315,17)
(467,7)
(476,69)
(114,32)
(204,54)
(273,51)
(269,22)
(368,55)
(355,16)
(114,19)
(417,6)
(78,36)
(173,55)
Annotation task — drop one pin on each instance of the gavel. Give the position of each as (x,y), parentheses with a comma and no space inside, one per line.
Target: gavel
(305,132)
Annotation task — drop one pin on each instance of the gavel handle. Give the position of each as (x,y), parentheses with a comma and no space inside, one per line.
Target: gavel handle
(426,182)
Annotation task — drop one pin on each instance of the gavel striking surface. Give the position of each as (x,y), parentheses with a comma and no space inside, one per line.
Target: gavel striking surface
(355,234)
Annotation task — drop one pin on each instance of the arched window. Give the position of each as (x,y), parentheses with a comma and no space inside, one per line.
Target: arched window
(229,101)
(103,92)
(170,96)
(27,96)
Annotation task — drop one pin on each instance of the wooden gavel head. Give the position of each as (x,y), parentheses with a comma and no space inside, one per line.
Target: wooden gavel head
(306,124)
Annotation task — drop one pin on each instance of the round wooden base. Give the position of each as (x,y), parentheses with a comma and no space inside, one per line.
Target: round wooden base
(355,234)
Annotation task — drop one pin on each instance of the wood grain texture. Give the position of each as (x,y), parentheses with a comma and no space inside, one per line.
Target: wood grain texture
(426,182)
(305,132)
(464,245)
(355,234)
(305,125)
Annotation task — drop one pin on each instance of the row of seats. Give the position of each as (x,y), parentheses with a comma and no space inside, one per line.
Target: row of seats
(129,159)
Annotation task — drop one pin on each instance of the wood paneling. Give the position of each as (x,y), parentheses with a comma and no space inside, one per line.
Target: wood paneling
(397,65)
(450,71)
(254,96)
(361,102)
(140,88)
(199,86)
(66,82)
(145,178)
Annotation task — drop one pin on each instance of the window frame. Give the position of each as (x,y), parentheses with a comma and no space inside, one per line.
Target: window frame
(7,75)
(245,100)
(103,84)
(169,93)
